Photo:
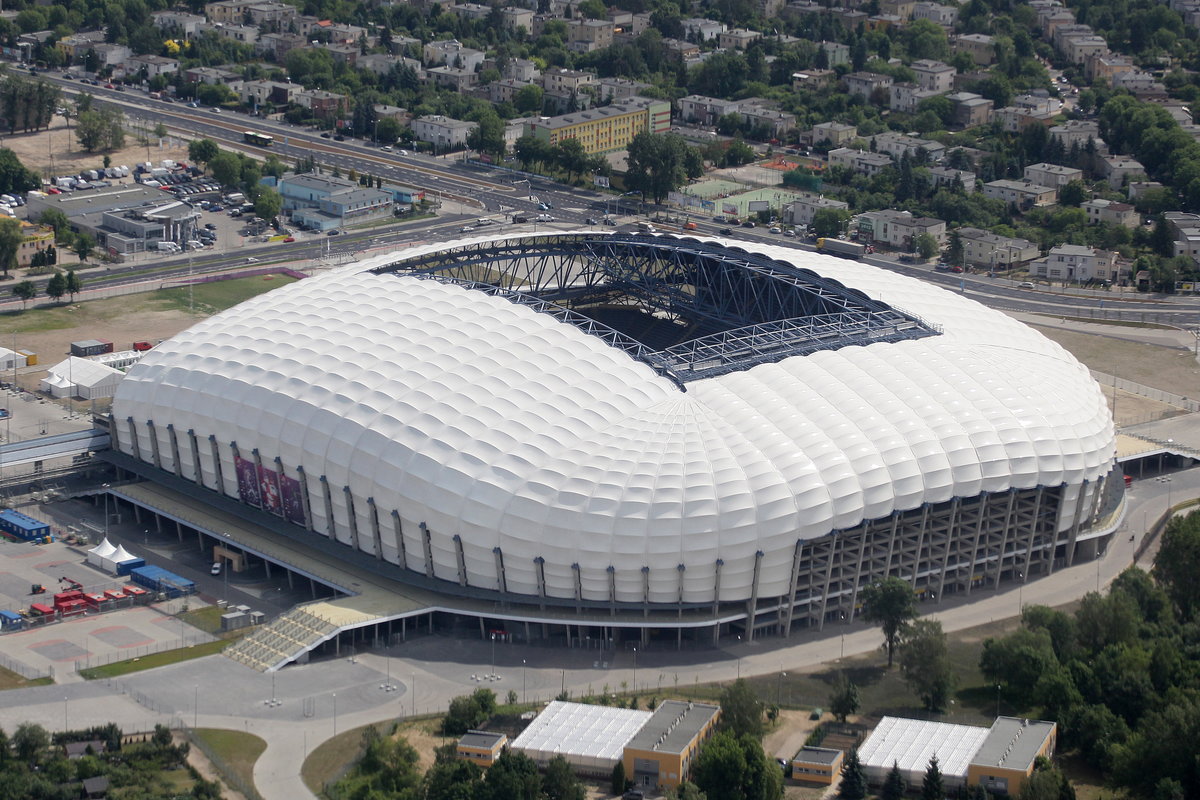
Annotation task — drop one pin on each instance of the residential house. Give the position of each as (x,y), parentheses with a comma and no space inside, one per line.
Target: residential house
(607,128)
(1053,175)
(34,239)
(452,53)
(245,34)
(610,89)
(522,69)
(272,16)
(813,78)
(705,111)
(934,76)
(836,133)
(567,80)
(255,93)
(186,23)
(276,46)
(1022,194)
(986,249)
(935,12)
(513,17)
(1137,188)
(979,46)
(1077,264)
(503,90)
(737,39)
(883,22)
(802,210)
(1114,213)
(898,145)
(109,55)
(970,109)
(704,30)
(897,8)
(763,115)
(384,111)
(899,229)
(836,53)
(861,161)
(154,65)
(683,49)
(210,75)
(1077,133)
(1015,119)
(589,35)
(865,84)
(322,104)
(343,54)
(455,78)
(946,176)
(905,97)
(1103,67)
(1078,49)
(227,10)
(444,133)
(471,11)
(1119,169)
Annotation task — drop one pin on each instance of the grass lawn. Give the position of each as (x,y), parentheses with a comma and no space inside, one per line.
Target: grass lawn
(330,760)
(118,668)
(209,299)
(239,751)
(12,680)
(207,619)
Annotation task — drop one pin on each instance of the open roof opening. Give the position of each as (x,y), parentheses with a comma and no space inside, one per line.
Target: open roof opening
(689,309)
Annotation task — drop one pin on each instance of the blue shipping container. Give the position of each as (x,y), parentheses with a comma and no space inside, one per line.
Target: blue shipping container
(125,567)
(158,579)
(22,527)
(11,620)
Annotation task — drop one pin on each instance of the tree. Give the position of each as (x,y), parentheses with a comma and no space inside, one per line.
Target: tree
(30,740)
(927,245)
(100,130)
(1017,662)
(845,700)
(226,169)
(56,287)
(619,781)
(932,787)
(734,767)
(1072,194)
(453,779)
(828,222)
(925,663)
(203,151)
(528,100)
(488,134)
(10,243)
(685,791)
(559,782)
(954,251)
(14,177)
(1178,563)
(83,246)
(659,163)
(268,203)
(741,710)
(388,130)
(854,778)
(890,603)
(571,157)
(894,785)
(738,153)
(74,284)
(514,776)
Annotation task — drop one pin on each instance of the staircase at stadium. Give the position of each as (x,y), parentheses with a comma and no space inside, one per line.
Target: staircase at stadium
(291,635)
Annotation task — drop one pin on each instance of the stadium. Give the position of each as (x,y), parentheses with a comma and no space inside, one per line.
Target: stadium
(646,432)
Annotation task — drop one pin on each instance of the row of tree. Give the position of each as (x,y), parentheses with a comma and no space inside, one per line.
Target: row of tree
(27,105)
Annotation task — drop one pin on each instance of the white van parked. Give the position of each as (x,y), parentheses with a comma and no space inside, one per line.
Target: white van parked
(168,247)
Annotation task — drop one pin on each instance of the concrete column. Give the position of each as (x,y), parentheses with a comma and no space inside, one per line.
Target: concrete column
(175,465)
(428,545)
(304,496)
(401,548)
(216,457)
(501,579)
(753,607)
(192,443)
(133,439)
(155,456)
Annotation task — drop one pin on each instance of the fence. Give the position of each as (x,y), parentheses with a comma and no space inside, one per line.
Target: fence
(1169,398)
(24,670)
(127,653)
(228,774)
(1171,319)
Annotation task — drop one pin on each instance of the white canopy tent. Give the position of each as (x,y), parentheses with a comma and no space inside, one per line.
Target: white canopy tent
(99,554)
(79,377)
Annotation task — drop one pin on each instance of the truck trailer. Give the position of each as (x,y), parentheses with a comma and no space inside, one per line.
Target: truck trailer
(840,247)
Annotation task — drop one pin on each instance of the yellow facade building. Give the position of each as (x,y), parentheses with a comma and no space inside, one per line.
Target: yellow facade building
(662,752)
(481,748)
(604,129)
(817,765)
(34,239)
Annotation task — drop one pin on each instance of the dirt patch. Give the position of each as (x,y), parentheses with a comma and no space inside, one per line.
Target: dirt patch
(201,764)
(1133,409)
(790,731)
(56,151)
(1172,369)
(425,738)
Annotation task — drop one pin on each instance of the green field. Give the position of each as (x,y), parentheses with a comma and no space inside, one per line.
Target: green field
(205,299)
(155,660)
(11,680)
(234,750)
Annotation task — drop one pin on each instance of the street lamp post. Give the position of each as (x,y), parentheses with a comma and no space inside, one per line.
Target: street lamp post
(335,713)
(997,700)
(64,714)
(779,687)
(739,658)
(524,697)
(196,704)
(635,670)
(493,675)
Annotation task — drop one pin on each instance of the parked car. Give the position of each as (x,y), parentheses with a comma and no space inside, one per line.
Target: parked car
(326,135)
(726,231)
(1028,285)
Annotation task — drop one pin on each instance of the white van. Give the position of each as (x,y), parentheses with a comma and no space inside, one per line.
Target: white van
(168,247)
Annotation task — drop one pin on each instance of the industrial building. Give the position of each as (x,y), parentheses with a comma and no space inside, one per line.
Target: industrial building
(702,439)
(657,748)
(323,202)
(1000,758)
(123,218)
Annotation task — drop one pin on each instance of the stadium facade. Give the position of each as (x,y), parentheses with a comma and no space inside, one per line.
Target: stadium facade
(624,425)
